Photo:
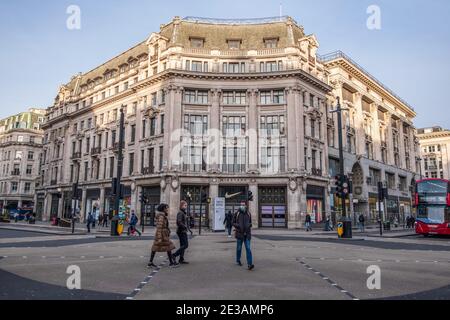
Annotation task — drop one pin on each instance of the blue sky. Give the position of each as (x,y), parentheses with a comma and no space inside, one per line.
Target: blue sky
(410,54)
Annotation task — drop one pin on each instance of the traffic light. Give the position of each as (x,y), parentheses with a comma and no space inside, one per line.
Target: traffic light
(342,186)
(250,195)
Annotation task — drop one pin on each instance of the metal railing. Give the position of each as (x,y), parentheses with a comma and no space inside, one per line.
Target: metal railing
(340,55)
(239,21)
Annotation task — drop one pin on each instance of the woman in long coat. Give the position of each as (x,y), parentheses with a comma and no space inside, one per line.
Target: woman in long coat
(162,241)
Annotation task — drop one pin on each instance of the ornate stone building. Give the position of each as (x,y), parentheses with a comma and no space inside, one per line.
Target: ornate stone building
(20,149)
(227,106)
(379,138)
(435,152)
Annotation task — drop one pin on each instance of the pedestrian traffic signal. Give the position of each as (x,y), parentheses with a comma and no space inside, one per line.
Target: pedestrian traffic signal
(250,195)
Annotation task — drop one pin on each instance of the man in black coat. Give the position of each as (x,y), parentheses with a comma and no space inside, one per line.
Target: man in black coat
(242,222)
(228,222)
(182,229)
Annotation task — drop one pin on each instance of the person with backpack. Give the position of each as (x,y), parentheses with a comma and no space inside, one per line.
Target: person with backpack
(362,221)
(242,222)
(228,222)
(133,223)
(162,242)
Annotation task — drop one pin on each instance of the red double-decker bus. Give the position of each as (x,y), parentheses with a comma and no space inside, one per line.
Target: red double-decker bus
(432,201)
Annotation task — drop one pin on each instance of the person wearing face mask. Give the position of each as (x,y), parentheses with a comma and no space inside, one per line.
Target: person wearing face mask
(162,242)
(242,222)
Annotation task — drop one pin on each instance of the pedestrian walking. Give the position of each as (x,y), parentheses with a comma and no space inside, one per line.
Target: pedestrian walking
(182,229)
(133,223)
(105,220)
(162,242)
(308,222)
(228,222)
(361,221)
(89,221)
(328,224)
(242,223)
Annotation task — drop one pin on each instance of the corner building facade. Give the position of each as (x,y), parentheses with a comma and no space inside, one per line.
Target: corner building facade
(20,155)
(227,106)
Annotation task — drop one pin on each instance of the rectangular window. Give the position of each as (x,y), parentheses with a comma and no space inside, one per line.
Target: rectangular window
(265,97)
(131,164)
(133,133)
(278,96)
(233,126)
(197,42)
(162,124)
(151,160)
(152,126)
(86,170)
(196,66)
(270,43)
(111,167)
(196,124)
(161,158)
(234,44)
(27,188)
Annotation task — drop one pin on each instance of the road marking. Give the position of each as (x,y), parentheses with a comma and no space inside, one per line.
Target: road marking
(145,282)
(332,283)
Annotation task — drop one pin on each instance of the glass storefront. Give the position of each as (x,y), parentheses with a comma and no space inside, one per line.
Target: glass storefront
(153,195)
(315,196)
(273,207)
(195,207)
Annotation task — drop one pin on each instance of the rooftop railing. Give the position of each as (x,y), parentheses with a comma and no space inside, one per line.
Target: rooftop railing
(340,55)
(240,21)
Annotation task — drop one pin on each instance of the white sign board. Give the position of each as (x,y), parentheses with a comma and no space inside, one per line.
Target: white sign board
(219,214)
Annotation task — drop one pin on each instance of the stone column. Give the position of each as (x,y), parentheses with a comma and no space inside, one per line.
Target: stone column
(61,205)
(359,126)
(291,125)
(213,193)
(389,142)
(299,112)
(83,205)
(47,204)
(401,145)
(174,130)
(214,151)
(173,201)
(376,137)
(294,204)
(102,200)
(253,205)
(253,130)
(170,97)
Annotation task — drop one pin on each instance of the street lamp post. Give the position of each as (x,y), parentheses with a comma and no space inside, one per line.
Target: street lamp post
(347,222)
(114,221)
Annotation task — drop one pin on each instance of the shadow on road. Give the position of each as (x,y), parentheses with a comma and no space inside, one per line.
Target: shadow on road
(14,287)
(362,243)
